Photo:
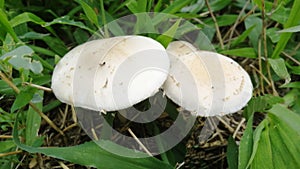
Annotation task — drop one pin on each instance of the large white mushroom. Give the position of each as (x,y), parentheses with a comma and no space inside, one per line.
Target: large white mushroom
(204,82)
(111,74)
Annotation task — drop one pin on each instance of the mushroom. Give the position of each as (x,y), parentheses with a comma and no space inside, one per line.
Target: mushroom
(111,74)
(204,82)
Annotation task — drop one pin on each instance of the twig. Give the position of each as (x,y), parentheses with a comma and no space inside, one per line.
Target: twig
(216,24)
(139,142)
(38,87)
(10,153)
(33,106)
(238,127)
(291,58)
(264,29)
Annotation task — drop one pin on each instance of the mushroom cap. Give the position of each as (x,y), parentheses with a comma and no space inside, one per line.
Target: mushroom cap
(204,82)
(111,74)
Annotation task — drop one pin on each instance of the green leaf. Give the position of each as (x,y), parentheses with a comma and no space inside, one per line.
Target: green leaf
(293,20)
(241,52)
(92,155)
(291,29)
(7,26)
(89,12)
(256,138)
(137,6)
(246,145)
(33,121)
(291,85)
(18,60)
(168,36)
(279,67)
(65,20)
(223,20)
(232,154)
(255,34)
(243,36)
(287,116)
(263,157)
(273,34)
(22,99)
(29,17)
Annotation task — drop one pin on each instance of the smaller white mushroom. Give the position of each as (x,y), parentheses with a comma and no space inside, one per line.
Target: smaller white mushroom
(204,82)
(111,74)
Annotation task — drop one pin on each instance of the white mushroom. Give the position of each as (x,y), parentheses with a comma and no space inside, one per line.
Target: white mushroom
(204,82)
(111,74)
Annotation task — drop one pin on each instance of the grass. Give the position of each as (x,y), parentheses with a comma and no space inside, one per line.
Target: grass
(263,36)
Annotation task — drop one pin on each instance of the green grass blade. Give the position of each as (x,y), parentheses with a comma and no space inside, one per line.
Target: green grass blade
(278,65)
(246,145)
(232,154)
(89,12)
(293,20)
(241,52)
(33,121)
(7,26)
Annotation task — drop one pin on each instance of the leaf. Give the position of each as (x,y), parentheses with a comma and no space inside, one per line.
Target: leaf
(7,26)
(223,20)
(273,34)
(243,36)
(91,154)
(18,60)
(287,116)
(241,52)
(65,20)
(33,121)
(89,12)
(293,20)
(232,154)
(256,138)
(22,99)
(279,67)
(277,147)
(137,6)
(255,34)
(29,17)
(246,145)
(168,36)
(291,29)
(291,85)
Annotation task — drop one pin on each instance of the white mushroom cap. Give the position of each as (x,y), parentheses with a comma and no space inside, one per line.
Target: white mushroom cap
(204,82)
(111,74)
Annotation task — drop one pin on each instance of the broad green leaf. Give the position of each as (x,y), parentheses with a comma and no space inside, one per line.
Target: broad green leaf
(33,121)
(17,58)
(176,6)
(255,34)
(232,154)
(291,85)
(263,157)
(279,67)
(218,5)
(89,12)
(6,145)
(246,145)
(4,23)
(29,17)
(287,116)
(291,29)
(241,52)
(293,20)
(168,36)
(22,99)
(256,139)
(137,6)
(65,20)
(278,143)
(273,34)
(92,155)
(223,20)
